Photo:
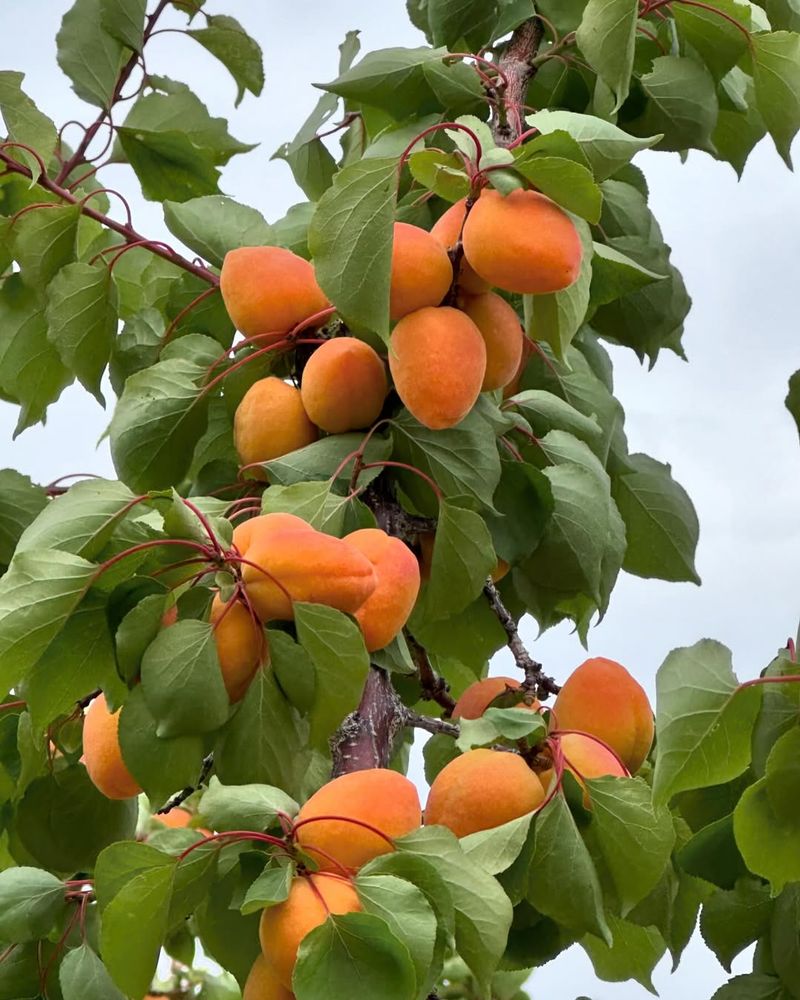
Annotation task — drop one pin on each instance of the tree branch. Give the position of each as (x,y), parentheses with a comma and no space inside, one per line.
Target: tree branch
(535,680)
(431,725)
(516,62)
(434,687)
(180,797)
(368,736)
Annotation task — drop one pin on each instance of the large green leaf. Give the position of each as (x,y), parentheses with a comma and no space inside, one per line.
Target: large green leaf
(244,807)
(24,122)
(755,986)
(213,225)
(88,54)
(776,72)
(615,275)
(473,21)
(31,900)
(463,558)
(83,976)
(20,503)
(606,36)
(240,54)
(719,42)
(124,20)
(569,184)
(168,165)
(682,103)
(732,919)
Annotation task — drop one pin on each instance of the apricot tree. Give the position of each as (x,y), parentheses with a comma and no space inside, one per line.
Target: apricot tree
(354,447)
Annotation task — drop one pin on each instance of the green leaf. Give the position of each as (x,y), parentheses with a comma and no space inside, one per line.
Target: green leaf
(793,399)
(271,887)
(82,321)
(293,668)
(309,159)
(336,646)
(228,937)
(776,72)
(785,937)
(780,710)
(354,948)
(43,241)
(87,54)
(634,836)
(213,225)
(682,103)
(712,854)
(83,976)
(731,920)
(497,849)
(718,42)
(508,723)
(607,36)
(350,239)
(524,503)
(421,873)
(182,680)
(563,882)
(24,122)
(20,503)
(31,900)
(314,502)
(784,14)
(38,594)
(739,127)
(703,720)
(244,807)
(124,20)
(157,423)
(321,459)
(168,164)
(472,21)
(766,821)
(754,986)
(440,172)
(660,522)
(615,275)
(463,558)
(569,184)
(634,954)
(240,54)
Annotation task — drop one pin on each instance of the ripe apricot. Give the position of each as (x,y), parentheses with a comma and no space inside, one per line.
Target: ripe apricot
(381,798)
(421,271)
(344,385)
(603,699)
(269,290)
(241,645)
(102,754)
(585,758)
(447,231)
(179,819)
(264,525)
(298,564)
(263,984)
(437,357)
(513,387)
(522,242)
(271,421)
(501,330)
(482,789)
(386,610)
(480,695)
(311,899)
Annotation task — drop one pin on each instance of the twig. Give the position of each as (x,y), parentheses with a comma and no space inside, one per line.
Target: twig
(179,798)
(535,680)
(431,725)
(434,687)
(516,64)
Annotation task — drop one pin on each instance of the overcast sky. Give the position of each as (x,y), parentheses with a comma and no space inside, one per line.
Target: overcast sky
(719,421)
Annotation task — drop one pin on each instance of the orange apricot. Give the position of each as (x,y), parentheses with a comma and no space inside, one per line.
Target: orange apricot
(271,421)
(421,270)
(379,798)
(501,330)
(388,607)
(602,698)
(447,231)
(265,524)
(102,754)
(482,789)
(437,357)
(522,242)
(263,984)
(479,696)
(293,564)
(344,385)
(269,290)
(179,819)
(585,758)
(311,899)
(513,387)
(241,645)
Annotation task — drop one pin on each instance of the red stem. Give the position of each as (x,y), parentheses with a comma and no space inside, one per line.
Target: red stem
(435,128)
(342,819)
(185,312)
(408,468)
(261,838)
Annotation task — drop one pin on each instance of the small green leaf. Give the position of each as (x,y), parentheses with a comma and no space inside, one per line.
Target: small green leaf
(20,503)
(87,54)
(776,72)
(615,275)
(240,54)
(495,723)
(607,36)
(463,558)
(31,900)
(682,103)
(321,459)
(754,986)
(168,165)
(215,224)
(124,21)
(718,41)
(634,954)
(733,919)
(569,184)
(83,976)
(270,888)
(24,122)
(497,849)
(43,241)
(793,399)
(244,807)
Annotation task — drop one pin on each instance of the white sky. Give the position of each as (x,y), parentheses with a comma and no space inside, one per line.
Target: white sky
(719,421)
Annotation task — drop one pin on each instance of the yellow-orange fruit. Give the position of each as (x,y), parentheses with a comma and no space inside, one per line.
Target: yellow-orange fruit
(603,699)
(421,270)
(482,789)
(438,360)
(301,565)
(381,798)
(522,242)
(447,231)
(480,695)
(102,755)
(271,421)
(264,525)
(179,819)
(513,386)
(284,926)
(585,758)
(241,645)
(263,984)
(269,290)
(344,385)
(501,330)
(386,610)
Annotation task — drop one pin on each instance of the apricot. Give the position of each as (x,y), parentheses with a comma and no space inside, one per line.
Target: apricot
(311,899)
(263,984)
(344,385)
(271,421)
(380,798)
(269,290)
(421,271)
(501,330)
(388,607)
(264,525)
(513,386)
(102,754)
(437,357)
(447,230)
(241,645)
(480,695)
(482,789)
(585,758)
(291,564)
(179,819)
(602,698)
(522,242)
